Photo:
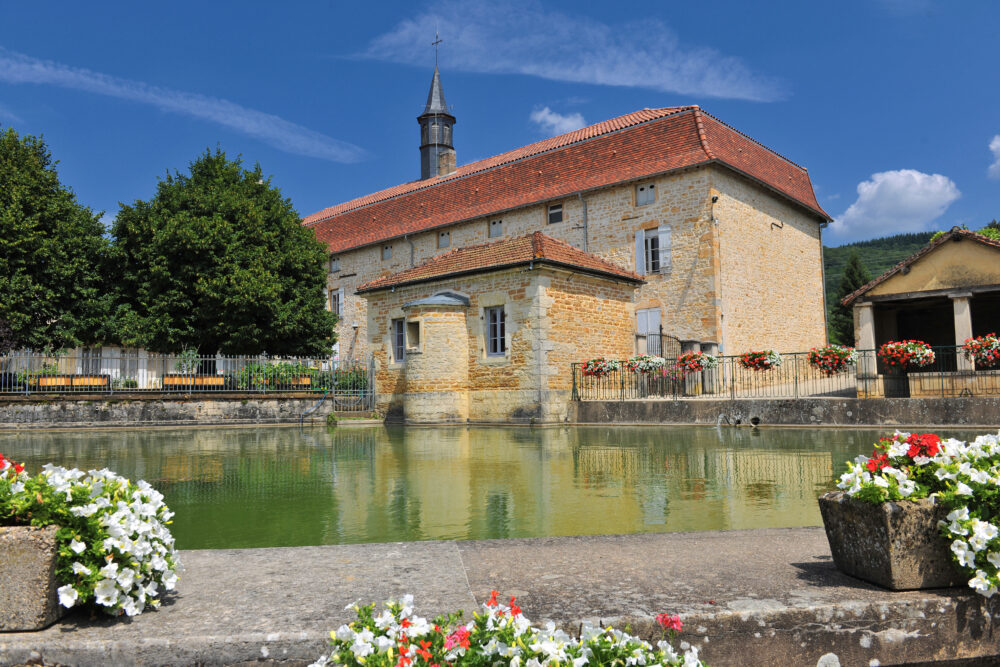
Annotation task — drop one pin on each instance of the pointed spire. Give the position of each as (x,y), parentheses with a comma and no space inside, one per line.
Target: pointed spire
(435,98)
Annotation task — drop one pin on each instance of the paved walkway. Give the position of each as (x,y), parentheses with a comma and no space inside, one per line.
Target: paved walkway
(747,597)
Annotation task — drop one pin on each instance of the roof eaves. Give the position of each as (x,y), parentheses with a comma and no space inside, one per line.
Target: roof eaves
(823,215)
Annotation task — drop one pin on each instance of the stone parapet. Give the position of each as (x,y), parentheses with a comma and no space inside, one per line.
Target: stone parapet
(28,599)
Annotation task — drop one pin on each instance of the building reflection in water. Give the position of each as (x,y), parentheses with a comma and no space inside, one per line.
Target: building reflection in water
(284,486)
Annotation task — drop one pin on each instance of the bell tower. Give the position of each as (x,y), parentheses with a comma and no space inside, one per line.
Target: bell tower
(437,153)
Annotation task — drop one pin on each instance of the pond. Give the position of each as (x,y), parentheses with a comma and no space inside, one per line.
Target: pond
(267,487)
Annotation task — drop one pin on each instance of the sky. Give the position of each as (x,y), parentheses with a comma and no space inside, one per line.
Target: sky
(892,105)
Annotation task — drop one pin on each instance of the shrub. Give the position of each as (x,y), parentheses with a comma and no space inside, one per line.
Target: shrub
(331,419)
(114,548)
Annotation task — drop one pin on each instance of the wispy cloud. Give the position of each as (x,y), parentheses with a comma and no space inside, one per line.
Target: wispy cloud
(905,200)
(553,123)
(521,37)
(7,115)
(271,129)
(994,170)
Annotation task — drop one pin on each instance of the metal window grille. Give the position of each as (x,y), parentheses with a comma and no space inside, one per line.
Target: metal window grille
(496,228)
(645,194)
(652,253)
(399,340)
(496,331)
(555,214)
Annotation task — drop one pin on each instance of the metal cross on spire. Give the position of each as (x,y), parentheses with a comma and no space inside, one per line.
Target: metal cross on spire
(437,40)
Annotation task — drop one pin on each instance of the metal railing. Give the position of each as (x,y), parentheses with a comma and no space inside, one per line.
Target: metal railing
(112,370)
(951,374)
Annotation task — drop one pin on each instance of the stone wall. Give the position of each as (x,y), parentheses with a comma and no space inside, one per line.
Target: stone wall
(766,269)
(771,269)
(553,318)
(144,410)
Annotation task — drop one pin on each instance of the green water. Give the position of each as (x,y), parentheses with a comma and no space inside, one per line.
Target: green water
(287,487)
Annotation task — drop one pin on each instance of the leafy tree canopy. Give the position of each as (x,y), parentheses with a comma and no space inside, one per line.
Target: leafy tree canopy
(51,249)
(218,261)
(842,317)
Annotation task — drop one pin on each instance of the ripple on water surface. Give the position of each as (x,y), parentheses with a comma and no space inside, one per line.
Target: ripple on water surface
(289,487)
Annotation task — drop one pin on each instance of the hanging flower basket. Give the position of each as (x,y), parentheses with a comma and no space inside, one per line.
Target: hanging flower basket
(832,359)
(906,354)
(695,362)
(920,486)
(984,350)
(598,367)
(764,360)
(644,364)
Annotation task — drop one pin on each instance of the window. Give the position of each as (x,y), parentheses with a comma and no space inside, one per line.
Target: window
(645,193)
(647,331)
(444,239)
(555,214)
(652,250)
(413,335)
(334,264)
(496,332)
(399,340)
(337,301)
(128,365)
(386,252)
(496,228)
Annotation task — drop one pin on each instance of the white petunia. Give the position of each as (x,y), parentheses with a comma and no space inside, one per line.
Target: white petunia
(80,568)
(966,557)
(109,571)
(77,547)
(106,592)
(982,585)
(67,595)
(963,489)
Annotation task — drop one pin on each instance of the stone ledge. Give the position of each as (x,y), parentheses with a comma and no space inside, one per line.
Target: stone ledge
(28,599)
(757,597)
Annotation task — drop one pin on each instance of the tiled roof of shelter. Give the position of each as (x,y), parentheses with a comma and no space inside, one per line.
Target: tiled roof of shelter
(633,146)
(530,248)
(930,247)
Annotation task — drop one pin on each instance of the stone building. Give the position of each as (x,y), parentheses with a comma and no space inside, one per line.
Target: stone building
(725,232)
(487,333)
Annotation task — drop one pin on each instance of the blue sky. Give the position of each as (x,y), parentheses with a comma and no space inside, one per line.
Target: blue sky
(892,105)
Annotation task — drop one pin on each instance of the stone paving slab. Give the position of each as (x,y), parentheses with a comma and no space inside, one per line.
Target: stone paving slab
(758,597)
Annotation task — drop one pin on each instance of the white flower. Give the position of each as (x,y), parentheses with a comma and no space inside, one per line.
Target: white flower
(169,580)
(383,644)
(961,514)
(881,481)
(67,595)
(966,557)
(106,592)
(77,547)
(981,584)
(109,571)
(344,633)
(80,568)
(361,649)
(963,489)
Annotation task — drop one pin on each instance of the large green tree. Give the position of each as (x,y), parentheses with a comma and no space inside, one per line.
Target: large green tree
(51,250)
(218,261)
(842,318)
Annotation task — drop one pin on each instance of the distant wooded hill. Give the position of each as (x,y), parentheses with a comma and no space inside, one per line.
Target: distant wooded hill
(876,255)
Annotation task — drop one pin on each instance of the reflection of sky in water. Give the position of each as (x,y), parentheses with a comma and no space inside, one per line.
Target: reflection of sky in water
(285,487)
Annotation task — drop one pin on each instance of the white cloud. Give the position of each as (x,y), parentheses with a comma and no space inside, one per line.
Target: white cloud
(556,123)
(8,115)
(904,200)
(994,170)
(521,37)
(271,129)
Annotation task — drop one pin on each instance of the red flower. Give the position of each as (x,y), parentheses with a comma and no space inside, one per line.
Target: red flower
(493,599)
(514,609)
(18,468)
(923,444)
(668,622)
(423,652)
(878,461)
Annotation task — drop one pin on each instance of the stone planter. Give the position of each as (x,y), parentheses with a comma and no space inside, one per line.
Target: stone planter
(28,597)
(895,544)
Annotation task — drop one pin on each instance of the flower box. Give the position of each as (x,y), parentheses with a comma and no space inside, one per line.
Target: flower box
(68,381)
(896,545)
(28,598)
(187,381)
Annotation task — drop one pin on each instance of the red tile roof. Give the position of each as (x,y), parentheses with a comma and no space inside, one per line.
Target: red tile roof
(637,145)
(534,248)
(930,247)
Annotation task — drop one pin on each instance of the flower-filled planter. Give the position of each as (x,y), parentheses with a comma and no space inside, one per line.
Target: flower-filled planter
(912,487)
(645,364)
(175,380)
(764,360)
(832,359)
(906,354)
(983,350)
(114,550)
(598,367)
(499,635)
(696,362)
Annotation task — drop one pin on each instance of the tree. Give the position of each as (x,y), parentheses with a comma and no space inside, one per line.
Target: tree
(218,261)
(842,317)
(51,252)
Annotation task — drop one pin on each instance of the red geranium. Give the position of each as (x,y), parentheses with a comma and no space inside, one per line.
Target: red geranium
(878,461)
(923,444)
